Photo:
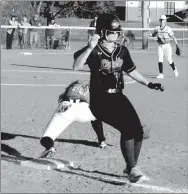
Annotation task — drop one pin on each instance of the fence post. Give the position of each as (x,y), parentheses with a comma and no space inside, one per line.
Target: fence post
(183,38)
(69,38)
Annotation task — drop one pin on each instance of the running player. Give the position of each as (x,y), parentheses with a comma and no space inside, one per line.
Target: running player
(107,61)
(164,33)
(73,106)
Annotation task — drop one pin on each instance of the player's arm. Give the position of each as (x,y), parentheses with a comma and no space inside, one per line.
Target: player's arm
(142,80)
(81,59)
(171,34)
(137,76)
(175,40)
(130,69)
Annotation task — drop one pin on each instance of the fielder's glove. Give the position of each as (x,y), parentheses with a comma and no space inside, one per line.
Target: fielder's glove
(156,86)
(178,50)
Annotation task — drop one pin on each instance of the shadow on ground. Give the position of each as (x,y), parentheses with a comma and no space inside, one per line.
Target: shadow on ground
(8,136)
(45,67)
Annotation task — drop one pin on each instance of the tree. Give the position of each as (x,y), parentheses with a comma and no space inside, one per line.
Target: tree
(85,9)
(81,9)
(19,8)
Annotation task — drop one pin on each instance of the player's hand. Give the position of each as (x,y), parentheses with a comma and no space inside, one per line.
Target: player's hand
(156,86)
(94,41)
(63,106)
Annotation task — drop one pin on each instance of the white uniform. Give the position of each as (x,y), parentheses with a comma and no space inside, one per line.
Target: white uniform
(163,39)
(73,106)
(76,111)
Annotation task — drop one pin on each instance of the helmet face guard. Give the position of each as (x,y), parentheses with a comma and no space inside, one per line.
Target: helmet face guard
(109,35)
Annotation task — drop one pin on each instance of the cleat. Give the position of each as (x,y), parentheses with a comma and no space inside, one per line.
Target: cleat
(136,176)
(48,153)
(160,76)
(102,144)
(176,72)
(126,171)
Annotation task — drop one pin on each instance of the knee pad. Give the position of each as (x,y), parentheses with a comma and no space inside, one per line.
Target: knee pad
(47,142)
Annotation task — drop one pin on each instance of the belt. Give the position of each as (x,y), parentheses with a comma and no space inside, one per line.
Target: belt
(113,90)
(74,100)
(163,43)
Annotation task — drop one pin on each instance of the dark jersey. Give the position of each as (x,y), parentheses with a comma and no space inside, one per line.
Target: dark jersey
(107,68)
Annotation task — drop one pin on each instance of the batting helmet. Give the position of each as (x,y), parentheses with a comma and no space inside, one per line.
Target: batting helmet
(108,22)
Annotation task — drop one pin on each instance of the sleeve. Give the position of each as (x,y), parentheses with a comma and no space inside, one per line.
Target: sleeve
(170,32)
(79,52)
(128,64)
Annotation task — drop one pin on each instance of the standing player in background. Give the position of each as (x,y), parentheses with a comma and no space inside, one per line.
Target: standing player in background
(164,33)
(107,61)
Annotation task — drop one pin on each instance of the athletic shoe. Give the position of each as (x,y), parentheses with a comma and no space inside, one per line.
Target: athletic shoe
(176,72)
(102,144)
(48,153)
(160,76)
(136,176)
(126,171)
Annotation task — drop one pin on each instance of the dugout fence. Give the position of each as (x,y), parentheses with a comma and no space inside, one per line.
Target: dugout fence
(74,37)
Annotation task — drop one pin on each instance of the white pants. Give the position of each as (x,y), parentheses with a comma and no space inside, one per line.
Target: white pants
(165,49)
(79,111)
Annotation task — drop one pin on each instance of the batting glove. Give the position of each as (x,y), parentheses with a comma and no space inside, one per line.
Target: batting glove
(156,86)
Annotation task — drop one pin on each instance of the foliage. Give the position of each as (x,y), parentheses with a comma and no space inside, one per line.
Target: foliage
(81,9)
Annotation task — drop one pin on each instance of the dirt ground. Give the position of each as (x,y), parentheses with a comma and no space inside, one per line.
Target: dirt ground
(30,86)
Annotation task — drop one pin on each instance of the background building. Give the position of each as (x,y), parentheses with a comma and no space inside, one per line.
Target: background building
(131,10)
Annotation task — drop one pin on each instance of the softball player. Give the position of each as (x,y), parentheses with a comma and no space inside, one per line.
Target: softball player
(73,106)
(164,34)
(107,61)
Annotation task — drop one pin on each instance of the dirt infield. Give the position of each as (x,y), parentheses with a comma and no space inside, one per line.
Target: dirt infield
(30,86)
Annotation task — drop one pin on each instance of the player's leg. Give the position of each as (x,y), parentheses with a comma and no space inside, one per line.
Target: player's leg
(160,61)
(31,40)
(8,41)
(47,42)
(168,55)
(35,38)
(57,124)
(52,42)
(98,128)
(128,123)
(82,112)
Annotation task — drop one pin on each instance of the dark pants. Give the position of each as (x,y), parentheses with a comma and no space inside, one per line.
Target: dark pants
(33,36)
(117,111)
(50,42)
(21,39)
(9,40)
